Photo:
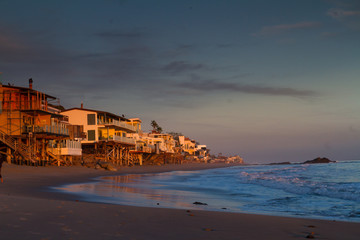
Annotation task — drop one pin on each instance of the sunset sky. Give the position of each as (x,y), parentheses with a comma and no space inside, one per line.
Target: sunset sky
(272,81)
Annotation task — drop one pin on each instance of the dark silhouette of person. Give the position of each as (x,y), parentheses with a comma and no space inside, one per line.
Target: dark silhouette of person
(2,159)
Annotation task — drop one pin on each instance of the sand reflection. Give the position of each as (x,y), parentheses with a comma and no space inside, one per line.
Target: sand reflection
(137,190)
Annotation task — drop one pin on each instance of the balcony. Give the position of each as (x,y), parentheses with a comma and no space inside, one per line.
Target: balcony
(145,149)
(124,140)
(46,129)
(119,124)
(67,147)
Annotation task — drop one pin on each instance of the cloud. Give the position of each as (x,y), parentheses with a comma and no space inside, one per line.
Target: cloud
(340,13)
(181,66)
(8,43)
(120,34)
(179,50)
(277,29)
(329,34)
(24,54)
(224,45)
(245,88)
(350,18)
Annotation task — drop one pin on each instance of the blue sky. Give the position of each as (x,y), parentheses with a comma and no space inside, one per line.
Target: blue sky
(270,80)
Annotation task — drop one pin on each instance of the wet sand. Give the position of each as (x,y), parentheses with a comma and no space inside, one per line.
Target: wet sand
(28,210)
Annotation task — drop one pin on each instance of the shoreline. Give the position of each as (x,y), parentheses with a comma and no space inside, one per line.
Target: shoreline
(29,209)
(14,176)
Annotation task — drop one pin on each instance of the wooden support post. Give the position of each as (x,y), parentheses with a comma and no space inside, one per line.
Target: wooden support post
(140,159)
(105,151)
(121,153)
(43,150)
(8,155)
(117,155)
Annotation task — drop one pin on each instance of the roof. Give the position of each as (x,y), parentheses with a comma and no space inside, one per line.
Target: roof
(28,89)
(97,111)
(135,120)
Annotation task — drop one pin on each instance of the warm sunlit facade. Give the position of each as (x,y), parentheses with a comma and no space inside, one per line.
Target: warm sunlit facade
(101,126)
(32,128)
(107,136)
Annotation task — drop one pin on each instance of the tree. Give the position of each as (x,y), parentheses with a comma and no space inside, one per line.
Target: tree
(156,127)
(175,134)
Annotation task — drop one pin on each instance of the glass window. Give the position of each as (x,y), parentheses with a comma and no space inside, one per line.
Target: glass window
(91,135)
(91,119)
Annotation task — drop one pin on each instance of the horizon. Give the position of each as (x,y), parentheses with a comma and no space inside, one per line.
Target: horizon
(270,81)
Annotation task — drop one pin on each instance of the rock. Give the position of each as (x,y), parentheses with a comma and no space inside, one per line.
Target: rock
(199,203)
(311,235)
(107,166)
(111,167)
(318,160)
(208,229)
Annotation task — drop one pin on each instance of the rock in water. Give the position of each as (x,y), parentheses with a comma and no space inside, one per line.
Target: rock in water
(318,160)
(199,203)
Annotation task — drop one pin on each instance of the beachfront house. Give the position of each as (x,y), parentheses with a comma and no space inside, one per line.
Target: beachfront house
(187,145)
(166,142)
(32,130)
(105,134)
(202,152)
(143,144)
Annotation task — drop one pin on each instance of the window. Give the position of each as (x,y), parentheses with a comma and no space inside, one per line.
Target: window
(91,135)
(91,119)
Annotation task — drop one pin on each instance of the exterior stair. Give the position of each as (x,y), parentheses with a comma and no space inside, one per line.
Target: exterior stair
(55,157)
(19,147)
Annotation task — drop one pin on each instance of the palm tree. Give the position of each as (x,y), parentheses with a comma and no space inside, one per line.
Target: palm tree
(156,127)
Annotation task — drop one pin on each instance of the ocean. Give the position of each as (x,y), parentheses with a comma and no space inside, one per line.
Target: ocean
(322,191)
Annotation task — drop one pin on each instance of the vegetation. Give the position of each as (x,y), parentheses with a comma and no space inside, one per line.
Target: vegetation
(156,127)
(175,134)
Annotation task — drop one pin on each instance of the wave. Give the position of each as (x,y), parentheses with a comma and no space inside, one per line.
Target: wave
(289,180)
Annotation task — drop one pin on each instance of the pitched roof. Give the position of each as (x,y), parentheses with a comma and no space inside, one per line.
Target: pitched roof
(28,89)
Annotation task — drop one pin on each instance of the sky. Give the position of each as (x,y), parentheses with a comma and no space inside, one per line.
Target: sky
(271,81)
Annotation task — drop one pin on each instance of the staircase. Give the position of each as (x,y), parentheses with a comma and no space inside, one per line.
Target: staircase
(55,157)
(19,147)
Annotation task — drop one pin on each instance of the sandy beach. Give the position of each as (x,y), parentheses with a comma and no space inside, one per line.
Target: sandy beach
(29,210)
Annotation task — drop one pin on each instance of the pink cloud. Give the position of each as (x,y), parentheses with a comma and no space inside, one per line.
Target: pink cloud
(340,13)
(9,43)
(276,29)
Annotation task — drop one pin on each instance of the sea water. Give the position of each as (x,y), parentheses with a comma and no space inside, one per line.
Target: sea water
(323,191)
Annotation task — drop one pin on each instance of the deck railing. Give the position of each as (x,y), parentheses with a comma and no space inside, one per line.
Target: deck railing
(118,124)
(146,149)
(70,144)
(66,147)
(120,139)
(46,129)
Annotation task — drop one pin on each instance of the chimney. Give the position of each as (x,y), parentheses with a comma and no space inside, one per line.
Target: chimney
(30,83)
(82,105)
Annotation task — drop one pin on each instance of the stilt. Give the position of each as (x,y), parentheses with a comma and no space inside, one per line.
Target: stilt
(43,150)
(8,155)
